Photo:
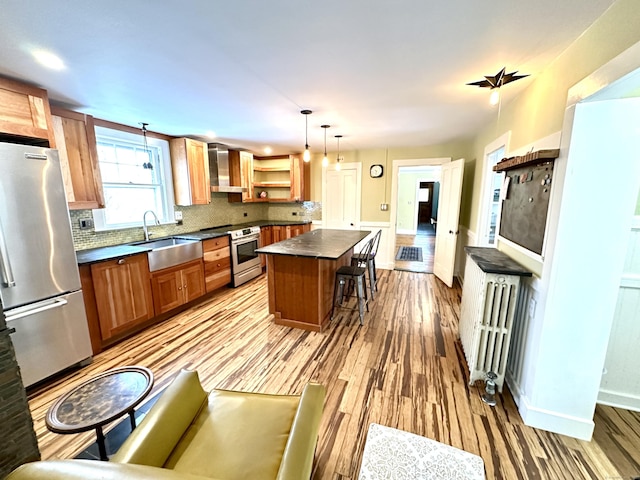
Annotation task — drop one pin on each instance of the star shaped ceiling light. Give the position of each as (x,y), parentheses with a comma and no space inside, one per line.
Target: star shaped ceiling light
(496,81)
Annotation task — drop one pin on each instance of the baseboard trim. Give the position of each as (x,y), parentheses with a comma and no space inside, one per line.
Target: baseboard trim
(619,400)
(556,422)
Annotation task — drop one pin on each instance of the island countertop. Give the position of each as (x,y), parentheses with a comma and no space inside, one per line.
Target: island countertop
(322,243)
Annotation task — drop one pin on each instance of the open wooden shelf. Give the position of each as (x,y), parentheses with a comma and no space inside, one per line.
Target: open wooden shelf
(532,158)
(271,169)
(272,184)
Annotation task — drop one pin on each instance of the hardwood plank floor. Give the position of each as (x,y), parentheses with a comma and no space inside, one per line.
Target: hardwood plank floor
(404,368)
(428,245)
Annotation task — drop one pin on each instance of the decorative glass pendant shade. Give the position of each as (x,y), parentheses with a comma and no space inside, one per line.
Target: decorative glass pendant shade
(338,137)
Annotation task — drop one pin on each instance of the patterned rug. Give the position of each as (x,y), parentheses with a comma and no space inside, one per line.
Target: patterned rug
(409,254)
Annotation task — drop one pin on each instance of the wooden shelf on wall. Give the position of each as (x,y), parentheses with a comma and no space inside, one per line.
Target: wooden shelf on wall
(532,158)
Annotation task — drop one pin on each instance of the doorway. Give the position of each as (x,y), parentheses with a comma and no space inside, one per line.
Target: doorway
(414,207)
(341,196)
(417,213)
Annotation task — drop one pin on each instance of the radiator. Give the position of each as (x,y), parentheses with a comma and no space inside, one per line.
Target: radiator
(486,321)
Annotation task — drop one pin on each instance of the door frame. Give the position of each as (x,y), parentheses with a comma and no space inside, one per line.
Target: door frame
(393,206)
(485,190)
(345,166)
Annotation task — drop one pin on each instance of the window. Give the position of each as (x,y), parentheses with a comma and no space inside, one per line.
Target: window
(491,205)
(134,179)
(495,182)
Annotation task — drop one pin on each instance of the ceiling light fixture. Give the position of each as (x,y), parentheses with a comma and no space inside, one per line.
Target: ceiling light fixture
(495,82)
(268,150)
(338,137)
(325,159)
(307,155)
(48,59)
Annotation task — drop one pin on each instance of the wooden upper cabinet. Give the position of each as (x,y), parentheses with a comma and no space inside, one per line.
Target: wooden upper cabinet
(241,174)
(76,142)
(190,165)
(25,112)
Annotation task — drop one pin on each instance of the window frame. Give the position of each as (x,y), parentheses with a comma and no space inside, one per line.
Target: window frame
(484,214)
(165,177)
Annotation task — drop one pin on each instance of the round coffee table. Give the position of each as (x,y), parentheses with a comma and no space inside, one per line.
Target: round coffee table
(99,401)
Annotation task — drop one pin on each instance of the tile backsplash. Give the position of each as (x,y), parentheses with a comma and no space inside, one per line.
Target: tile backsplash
(218,212)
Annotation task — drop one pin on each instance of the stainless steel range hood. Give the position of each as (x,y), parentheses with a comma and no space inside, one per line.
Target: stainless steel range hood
(219,170)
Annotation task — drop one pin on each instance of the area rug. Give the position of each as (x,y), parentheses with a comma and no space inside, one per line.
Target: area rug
(409,254)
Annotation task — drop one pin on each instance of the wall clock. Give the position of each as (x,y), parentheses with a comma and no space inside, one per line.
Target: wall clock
(376,171)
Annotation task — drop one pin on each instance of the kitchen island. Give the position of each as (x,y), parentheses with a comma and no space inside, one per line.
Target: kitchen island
(301,272)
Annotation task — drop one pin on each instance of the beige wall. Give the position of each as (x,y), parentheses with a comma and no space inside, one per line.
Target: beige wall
(539,110)
(378,190)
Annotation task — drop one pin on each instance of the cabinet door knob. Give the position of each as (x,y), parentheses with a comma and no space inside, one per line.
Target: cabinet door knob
(179,288)
(184,286)
(218,265)
(121,261)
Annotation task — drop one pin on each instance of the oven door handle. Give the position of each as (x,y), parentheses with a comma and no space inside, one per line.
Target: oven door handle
(247,239)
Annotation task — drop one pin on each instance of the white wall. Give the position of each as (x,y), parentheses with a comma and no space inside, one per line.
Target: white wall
(620,385)
(579,285)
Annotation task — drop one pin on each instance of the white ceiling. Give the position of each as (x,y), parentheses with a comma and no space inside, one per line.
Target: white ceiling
(381,73)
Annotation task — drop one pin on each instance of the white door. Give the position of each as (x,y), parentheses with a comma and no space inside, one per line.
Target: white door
(448,217)
(340,209)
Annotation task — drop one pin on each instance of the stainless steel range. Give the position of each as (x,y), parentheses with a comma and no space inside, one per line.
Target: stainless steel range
(244,259)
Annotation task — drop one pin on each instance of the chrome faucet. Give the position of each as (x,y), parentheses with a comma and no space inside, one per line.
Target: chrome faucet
(144,223)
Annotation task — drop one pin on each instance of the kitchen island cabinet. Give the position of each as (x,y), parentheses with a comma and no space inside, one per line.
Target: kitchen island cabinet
(121,295)
(304,267)
(176,286)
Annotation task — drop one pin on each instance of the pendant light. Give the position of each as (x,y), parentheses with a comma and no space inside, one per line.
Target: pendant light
(325,159)
(307,155)
(338,137)
(146,165)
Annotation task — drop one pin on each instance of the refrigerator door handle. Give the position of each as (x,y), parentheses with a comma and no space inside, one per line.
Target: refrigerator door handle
(60,302)
(5,265)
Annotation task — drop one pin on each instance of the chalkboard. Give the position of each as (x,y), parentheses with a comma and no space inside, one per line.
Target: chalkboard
(524,211)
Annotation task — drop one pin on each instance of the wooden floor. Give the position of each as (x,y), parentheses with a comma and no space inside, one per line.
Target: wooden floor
(428,245)
(404,368)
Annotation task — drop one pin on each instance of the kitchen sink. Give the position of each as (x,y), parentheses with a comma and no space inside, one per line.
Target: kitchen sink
(168,252)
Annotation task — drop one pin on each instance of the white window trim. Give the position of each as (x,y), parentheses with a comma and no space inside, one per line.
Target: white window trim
(167,178)
(486,191)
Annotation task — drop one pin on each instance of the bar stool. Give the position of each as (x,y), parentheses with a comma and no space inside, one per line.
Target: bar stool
(348,275)
(370,262)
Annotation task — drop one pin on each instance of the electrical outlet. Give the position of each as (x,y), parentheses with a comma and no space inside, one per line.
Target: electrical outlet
(177,215)
(384,207)
(85,223)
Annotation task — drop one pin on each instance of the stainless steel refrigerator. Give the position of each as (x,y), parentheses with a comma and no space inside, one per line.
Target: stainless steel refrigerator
(39,280)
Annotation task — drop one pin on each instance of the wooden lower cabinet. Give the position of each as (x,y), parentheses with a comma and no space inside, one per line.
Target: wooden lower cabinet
(122,294)
(217,263)
(266,238)
(276,233)
(176,286)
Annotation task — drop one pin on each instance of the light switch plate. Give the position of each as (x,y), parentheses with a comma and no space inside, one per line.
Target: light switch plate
(177,215)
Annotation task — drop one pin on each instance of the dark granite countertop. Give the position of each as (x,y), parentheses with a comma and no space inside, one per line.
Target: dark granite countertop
(100,254)
(492,260)
(321,243)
